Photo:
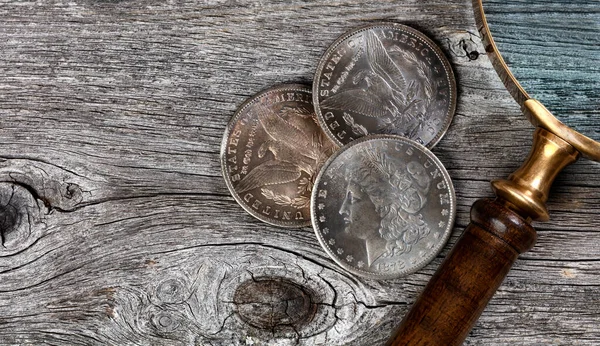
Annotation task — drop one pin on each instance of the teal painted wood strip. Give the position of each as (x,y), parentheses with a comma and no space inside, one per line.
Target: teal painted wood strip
(553,49)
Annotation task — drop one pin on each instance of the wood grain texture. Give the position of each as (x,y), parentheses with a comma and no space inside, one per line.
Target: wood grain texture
(118,229)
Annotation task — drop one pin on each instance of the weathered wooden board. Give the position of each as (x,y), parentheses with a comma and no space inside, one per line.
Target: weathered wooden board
(117,227)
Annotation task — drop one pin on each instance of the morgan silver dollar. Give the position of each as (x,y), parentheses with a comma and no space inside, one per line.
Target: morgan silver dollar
(271,153)
(384,79)
(383,206)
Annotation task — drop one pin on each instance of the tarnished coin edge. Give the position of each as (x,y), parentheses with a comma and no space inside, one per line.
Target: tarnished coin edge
(407,29)
(224,171)
(419,265)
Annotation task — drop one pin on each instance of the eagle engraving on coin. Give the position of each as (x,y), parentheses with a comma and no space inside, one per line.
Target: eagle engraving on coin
(384,79)
(271,154)
(383,206)
(380,89)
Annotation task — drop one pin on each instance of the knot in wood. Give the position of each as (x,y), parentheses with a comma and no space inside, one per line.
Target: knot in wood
(171,291)
(272,303)
(470,48)
(9,220)
(465,45)
(19,214)
(73,191)
(165,321)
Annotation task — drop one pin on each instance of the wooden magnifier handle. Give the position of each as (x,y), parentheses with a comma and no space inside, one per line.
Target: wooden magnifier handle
(499,231)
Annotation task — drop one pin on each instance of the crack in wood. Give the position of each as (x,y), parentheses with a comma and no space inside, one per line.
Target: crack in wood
(112,117)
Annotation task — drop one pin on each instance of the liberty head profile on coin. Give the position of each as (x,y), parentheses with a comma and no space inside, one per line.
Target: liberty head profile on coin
(271,153)
(383,207)
(384,213)
(384,79)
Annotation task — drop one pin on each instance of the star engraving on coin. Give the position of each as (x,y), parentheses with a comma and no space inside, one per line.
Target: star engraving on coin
(384,79)
(383,206)
(271,153)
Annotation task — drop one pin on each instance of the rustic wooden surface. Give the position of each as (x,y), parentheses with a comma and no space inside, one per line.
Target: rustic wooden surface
(117,227)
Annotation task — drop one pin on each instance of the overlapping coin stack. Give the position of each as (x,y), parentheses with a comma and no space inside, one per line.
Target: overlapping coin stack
(351,155)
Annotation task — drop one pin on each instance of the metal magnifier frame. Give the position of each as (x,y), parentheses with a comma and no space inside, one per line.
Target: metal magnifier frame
(500,229)
(528,187)
(537,114)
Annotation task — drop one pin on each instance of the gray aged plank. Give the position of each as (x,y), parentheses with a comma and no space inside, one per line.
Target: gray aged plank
(117,227)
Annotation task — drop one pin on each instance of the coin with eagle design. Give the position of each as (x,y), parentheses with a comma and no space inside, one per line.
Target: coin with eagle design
(271,153)
(384,79)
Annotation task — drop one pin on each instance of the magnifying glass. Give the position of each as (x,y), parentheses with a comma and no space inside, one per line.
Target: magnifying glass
(551,66)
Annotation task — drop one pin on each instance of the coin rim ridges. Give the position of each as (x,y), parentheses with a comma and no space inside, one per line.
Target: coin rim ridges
(396,26)
(298,87)
(419,265)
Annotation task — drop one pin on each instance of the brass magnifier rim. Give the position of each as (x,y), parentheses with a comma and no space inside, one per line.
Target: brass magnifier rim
(537,114)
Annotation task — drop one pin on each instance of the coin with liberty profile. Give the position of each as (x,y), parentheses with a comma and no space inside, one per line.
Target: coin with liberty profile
(383,206)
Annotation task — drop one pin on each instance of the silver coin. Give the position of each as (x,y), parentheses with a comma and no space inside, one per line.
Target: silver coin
(384,79)
(383,206)
(271,153)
